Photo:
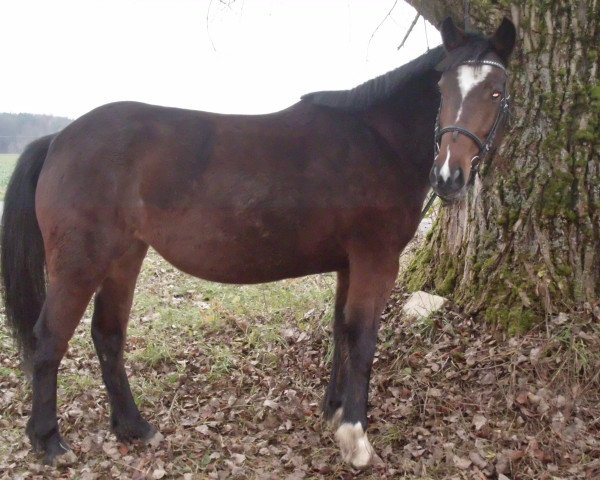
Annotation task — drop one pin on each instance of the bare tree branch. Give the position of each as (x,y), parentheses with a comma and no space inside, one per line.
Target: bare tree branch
(410,29)
(208,26)
(380,24)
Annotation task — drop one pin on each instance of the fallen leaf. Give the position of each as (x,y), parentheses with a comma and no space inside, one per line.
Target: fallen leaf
(479,421)
(462,463)
(158,473)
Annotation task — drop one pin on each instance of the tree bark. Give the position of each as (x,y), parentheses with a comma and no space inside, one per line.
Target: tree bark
(525,243)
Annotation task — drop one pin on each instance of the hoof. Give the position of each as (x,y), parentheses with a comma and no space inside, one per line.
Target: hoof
(155,440)
(354,444)
(58,452)
(139,429)
(64,460)
(52,446)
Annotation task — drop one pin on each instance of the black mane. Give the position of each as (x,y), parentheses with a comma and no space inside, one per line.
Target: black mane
(376,91)
(379,89)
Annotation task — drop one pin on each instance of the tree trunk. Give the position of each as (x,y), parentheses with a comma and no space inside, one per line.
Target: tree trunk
(525,243)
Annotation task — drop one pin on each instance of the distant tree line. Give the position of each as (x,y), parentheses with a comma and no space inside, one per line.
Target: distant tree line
(19,129)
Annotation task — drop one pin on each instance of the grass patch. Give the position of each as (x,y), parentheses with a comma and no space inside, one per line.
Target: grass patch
(221,361)
(71,385)
(8,371)
(154,354)
(265,336)
(168,302)
(275,301)
(7,165)
(149,389)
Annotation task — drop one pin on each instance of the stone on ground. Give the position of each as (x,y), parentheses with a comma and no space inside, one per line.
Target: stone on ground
(422,304)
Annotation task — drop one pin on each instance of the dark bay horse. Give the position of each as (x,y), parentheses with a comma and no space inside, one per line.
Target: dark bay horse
(335,182)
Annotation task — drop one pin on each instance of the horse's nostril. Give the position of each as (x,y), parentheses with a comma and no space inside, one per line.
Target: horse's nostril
(433,176)
(458,179)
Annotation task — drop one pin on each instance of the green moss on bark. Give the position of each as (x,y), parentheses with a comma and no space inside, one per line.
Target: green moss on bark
(416,275)
(557,199)
(446,285)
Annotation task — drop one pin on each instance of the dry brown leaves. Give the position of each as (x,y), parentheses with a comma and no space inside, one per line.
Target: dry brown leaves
(449,400)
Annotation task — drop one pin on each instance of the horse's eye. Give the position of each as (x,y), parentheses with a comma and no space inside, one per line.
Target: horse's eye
(496,95)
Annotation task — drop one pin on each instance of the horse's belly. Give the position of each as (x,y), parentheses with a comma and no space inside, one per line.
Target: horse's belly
(239,250)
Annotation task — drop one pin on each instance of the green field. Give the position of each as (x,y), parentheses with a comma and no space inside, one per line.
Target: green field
(7,165)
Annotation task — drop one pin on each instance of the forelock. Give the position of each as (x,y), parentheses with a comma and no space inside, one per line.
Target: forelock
(475,49)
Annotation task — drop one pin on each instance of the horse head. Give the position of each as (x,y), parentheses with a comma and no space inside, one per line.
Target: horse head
(474,104)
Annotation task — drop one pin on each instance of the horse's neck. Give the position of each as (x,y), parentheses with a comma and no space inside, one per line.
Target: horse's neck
(406,123)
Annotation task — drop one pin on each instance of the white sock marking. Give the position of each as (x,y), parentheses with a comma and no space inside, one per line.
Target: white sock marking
(355,446)
(469,77)
(337,417)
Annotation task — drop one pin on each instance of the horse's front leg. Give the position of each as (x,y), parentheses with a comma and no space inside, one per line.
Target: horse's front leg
(371,278)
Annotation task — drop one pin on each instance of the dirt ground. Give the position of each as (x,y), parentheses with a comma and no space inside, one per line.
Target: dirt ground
(234,376)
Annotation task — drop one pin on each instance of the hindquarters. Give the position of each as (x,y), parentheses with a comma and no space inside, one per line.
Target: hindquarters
(89,248)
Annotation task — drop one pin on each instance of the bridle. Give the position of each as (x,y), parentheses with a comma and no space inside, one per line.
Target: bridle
(484,145)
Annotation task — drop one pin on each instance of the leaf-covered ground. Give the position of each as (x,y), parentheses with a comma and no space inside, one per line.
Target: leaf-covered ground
(234,376)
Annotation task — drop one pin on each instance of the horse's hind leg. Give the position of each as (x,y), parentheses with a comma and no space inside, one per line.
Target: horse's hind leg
(332,405)
(62,311)
(109,326)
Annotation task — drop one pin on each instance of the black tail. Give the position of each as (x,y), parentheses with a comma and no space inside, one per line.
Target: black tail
(22,256)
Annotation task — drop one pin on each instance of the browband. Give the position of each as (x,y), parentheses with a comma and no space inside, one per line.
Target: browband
(486,62)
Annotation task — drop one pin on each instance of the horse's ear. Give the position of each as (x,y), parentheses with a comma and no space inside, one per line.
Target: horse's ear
(452,36)
(504,39)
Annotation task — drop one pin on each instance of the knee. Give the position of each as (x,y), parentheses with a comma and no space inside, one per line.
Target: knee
(111,341)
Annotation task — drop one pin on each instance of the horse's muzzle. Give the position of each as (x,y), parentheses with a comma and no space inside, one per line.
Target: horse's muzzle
(449,185)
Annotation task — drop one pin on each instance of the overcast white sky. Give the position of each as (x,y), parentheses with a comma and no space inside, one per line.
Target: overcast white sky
(65,57)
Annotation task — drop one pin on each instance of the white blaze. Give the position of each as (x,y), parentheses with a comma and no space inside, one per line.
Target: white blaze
(469,76)
(445,170)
